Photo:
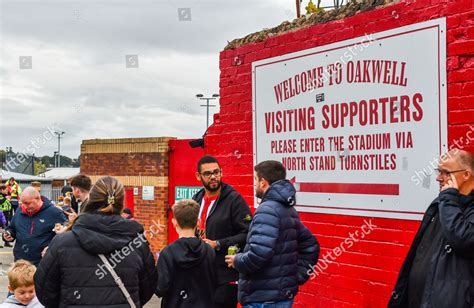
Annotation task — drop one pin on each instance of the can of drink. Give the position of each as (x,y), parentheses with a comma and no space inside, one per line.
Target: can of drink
(232,250)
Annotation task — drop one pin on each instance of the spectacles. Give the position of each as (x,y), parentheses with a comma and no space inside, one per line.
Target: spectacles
(445,173)
(208,174)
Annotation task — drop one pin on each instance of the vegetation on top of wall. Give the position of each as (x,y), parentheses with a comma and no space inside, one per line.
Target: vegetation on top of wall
(351,8)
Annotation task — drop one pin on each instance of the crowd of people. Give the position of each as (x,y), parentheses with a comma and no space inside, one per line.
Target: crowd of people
(95,254)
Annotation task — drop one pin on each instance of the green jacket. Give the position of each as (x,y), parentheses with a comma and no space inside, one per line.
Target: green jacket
(5,204)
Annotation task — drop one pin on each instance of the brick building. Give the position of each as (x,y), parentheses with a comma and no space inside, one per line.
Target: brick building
(142,165)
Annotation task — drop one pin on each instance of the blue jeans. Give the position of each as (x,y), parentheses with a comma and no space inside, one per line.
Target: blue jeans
(282,304)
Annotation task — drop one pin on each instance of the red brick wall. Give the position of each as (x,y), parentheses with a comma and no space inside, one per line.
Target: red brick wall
(139,168)
(364,276)
(147,212)
(132,164)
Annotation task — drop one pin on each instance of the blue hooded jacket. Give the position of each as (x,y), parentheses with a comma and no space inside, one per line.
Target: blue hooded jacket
(279,252)
(34,233)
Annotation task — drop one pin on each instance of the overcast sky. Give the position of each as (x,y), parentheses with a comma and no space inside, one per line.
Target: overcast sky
(72,75)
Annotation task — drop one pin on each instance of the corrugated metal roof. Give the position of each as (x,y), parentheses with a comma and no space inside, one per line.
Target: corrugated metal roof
(63,173)
(5,175)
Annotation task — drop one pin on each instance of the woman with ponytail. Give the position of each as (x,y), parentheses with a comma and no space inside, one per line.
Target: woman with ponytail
(105,261)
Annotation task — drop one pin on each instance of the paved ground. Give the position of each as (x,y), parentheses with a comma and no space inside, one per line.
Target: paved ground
(6,258)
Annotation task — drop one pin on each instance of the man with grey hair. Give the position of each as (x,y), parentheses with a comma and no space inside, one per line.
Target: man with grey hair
(32,226)
(439,268)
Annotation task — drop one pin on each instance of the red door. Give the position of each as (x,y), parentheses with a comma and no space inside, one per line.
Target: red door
(129,201)
(183,161)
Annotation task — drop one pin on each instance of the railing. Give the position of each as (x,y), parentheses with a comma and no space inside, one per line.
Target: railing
(51,193)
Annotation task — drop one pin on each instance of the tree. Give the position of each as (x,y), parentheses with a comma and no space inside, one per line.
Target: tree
(46,161)
(39,167)
(66,161)
(76,162)
(3,158)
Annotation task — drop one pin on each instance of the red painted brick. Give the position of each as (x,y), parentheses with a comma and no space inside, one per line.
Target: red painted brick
(454,89)
(453,21)
(461,117)
(467,19)
(461,75)
(461,48)
(468,88)
(467,61)
(363,276)
(461,102)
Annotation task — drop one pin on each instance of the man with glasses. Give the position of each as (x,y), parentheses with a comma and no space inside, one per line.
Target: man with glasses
(224,220)
(439,268)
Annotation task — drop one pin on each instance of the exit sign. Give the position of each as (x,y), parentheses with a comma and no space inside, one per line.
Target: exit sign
(186,192)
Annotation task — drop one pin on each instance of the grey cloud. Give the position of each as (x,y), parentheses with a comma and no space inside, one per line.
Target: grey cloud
(79,78)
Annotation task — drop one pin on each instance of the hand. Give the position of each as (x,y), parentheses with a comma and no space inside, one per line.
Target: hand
(230,261)
(7,236)
(211,243)
(71,216)
(59,228)
(452,183)
(44,251)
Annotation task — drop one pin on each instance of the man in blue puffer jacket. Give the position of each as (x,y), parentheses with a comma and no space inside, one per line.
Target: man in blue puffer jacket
(280,251)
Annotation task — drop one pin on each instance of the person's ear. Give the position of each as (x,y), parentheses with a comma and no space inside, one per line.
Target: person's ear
(174,222)
(10,289)
(198,176)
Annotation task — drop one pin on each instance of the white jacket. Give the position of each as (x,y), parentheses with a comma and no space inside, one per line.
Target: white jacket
(12,302)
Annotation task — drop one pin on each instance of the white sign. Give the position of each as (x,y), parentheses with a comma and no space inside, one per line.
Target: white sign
(135,191)
(148,193)
(358,124)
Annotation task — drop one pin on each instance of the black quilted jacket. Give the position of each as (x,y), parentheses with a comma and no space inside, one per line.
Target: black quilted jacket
(72,275)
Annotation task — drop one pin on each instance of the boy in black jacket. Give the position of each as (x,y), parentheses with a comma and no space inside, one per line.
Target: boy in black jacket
(186,276)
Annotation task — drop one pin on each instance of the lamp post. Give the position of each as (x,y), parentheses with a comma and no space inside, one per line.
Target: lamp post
(59,134)
(201,97)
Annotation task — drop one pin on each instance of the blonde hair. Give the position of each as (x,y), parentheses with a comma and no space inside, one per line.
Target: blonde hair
(106,196)
(21,274)
(67,201)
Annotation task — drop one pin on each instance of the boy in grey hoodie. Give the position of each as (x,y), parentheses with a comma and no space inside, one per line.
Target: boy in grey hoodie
(22,286)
